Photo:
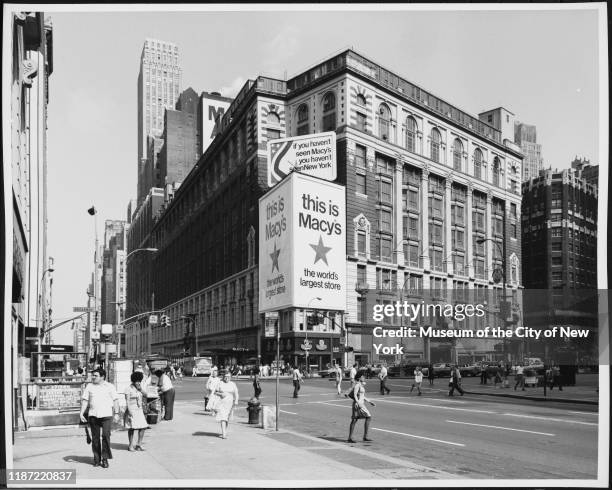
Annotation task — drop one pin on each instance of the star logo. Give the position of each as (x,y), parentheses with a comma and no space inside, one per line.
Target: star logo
(274,256)
(321,251)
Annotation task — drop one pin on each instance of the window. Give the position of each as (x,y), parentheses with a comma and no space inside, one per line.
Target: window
(556,246)
(556,232)
(411,227)
(436,140)
(436,259)
(479,268)
(302,120)
(360,156)
(386,192)
(478,163)
(362,122)
(385,249)
(436,207)
(385,220)
(457,154)
(361,100)
(384,122)
(273,134)
(413,199)
(361,244)
(411,254)
(329,112)
(457,215)
(360,183)
(459,264)
(435,234)
(496,170)
(478,220)
(411,134)
(458,243)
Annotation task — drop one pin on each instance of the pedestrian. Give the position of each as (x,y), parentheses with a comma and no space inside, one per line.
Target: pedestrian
(134,415)
(210,401)
(455,381)
(297,380)
(339,379)
(101,402)
(352,377)
(228,399)
(418,379)
(256,386)
(382,375)
(484,377)
(498,374)
(430,374)
(359,410)
(194,371)
(520,379)
(166,393)
(556,377)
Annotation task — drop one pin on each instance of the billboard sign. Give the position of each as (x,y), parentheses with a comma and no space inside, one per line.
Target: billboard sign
(312,154)
(302,245)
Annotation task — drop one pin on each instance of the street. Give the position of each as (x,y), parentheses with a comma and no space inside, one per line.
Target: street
(470,436)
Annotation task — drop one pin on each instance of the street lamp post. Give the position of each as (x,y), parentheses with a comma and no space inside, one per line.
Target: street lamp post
(193,318)
(41,333)
(305,342)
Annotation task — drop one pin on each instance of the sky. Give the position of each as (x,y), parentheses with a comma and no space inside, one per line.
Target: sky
(542,65)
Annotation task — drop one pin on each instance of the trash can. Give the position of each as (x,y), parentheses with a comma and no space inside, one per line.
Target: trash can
(154,410)
(253,407)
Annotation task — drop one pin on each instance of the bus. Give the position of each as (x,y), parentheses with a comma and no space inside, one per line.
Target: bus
(201,365)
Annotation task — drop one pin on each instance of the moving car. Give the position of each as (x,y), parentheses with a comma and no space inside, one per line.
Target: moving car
(470,370)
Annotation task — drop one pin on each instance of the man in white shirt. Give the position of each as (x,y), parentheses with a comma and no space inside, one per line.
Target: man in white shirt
(520,379)
(382,375)
(418,379)
(339,379)
(166,393)
(102,401)
(297,379)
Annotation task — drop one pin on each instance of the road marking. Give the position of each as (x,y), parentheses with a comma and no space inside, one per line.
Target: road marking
(432,406)
(420,437)
(551,419)
(333,405)
(501,428)
(285,411)
(584,413)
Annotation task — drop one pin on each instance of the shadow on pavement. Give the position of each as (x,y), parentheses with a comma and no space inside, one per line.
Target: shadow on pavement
(119,447)
(332,439)
(209,434)
(79,459)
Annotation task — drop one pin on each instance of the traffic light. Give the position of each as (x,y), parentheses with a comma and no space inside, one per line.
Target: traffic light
(165,321)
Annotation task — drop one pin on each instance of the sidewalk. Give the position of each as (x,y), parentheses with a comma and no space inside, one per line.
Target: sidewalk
(585,390)
(188,448)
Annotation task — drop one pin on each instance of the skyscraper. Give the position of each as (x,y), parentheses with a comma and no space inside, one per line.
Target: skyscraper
(159,86)
(525,136)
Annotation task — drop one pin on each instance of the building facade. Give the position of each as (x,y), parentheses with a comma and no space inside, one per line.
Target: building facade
(31,49)
(159,86)
(525,136)
(113,271)
(559,221)
(425,182)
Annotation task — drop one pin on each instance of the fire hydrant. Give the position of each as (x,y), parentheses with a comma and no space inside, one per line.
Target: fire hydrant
(253,407)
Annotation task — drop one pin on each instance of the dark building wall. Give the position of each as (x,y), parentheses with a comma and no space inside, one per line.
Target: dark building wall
(559,231)
(178,154)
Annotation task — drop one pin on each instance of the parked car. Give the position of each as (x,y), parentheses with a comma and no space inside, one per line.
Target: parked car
(470,370)
(442,370)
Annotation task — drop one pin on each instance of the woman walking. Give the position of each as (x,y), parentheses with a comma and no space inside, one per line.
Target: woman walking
(212,383)
(134,419)
(228,394)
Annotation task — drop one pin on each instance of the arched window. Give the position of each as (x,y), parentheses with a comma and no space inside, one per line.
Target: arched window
(478,163)
(457,154)
(436,140)
(302,119)
(384,122)
(273,118)
(329,112)
(411,134)
(361,100)
(496,169)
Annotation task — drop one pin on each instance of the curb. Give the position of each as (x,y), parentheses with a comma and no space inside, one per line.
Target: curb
(538,399)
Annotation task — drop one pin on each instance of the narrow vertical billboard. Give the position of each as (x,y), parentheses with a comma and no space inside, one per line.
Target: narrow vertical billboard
(302,245)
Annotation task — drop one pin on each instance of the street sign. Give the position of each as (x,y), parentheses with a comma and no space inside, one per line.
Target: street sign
(312,154)
(95,335)
(270,324)
(120,329)
(83,309)
(153,319)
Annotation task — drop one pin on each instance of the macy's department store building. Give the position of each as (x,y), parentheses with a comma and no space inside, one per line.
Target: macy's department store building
(432,203)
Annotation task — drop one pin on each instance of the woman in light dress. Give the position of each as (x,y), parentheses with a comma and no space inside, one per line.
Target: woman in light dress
(228,399)
(134,415)
(210,399)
